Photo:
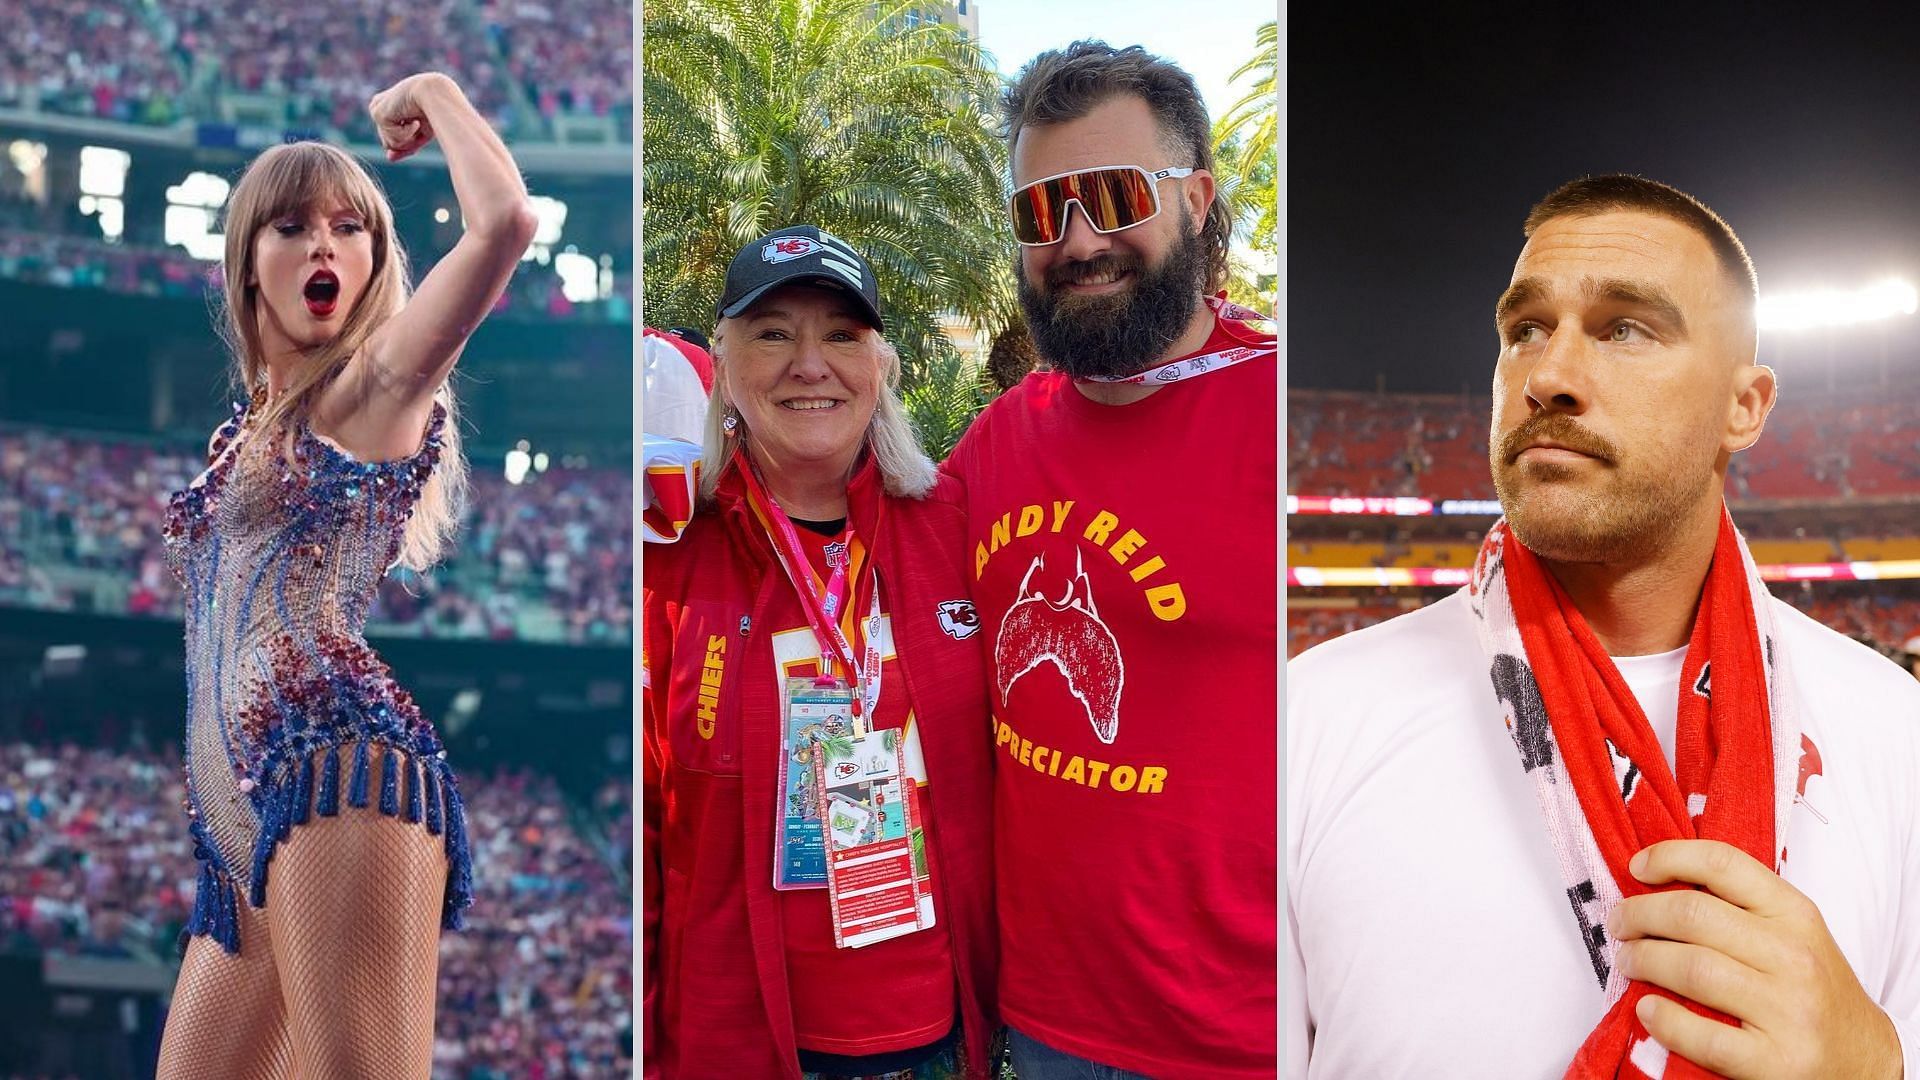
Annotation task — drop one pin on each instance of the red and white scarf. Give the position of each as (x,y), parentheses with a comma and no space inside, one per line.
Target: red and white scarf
(1602,780)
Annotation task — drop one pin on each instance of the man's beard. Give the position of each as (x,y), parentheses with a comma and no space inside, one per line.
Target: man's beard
(1116,334)
(1628,517)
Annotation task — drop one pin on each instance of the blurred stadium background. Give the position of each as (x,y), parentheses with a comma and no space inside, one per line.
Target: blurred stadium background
(1390,494)
(122,124)
(1411,196)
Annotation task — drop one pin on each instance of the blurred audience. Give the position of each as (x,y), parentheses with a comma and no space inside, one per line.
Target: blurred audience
(1882,615)
(1817,446)
(525,63)
(88,58)
(549,559)
(95,860)
(90,262)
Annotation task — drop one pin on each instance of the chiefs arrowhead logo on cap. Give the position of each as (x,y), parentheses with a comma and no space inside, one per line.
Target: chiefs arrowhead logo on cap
(788,248)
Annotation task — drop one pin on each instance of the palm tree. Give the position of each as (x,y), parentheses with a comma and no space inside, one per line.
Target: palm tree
(836,113)
(943,401)
(1258,109)
(1248,185)
(1244,140)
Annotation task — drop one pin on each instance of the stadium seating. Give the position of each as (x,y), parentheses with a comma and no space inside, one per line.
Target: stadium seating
(93,263)
(1854,447)
(95,859)
(529,65)
(547,560)
(1858,445)
(1890,620)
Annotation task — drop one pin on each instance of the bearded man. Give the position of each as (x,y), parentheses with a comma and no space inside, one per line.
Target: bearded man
(1122,511)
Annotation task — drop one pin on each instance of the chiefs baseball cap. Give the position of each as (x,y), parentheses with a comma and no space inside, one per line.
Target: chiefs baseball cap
(799,254)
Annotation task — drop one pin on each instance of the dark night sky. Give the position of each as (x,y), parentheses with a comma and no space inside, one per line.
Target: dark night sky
(1415,149)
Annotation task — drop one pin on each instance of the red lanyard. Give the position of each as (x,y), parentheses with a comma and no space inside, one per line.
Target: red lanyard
(1192,367)
(822,603)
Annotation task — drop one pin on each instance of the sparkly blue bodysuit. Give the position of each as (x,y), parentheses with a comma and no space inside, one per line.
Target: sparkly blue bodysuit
(280,558)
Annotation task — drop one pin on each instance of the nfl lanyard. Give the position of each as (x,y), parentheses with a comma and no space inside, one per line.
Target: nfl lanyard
(1193,367)
(822,606)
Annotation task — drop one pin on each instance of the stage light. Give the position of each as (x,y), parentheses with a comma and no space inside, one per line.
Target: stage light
(551,215)
(1838,307)
(579,279)
(518,462)
(193,210)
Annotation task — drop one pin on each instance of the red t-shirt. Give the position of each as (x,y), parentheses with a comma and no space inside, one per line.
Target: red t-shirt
(894,995)
(1125,564)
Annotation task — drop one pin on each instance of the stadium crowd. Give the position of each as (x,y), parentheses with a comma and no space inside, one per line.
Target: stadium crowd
(95,859)
(568,57)
(1817,446)
(328,60)
(1858,446)
(90,262)
(88,58)
(550,559)
(524,62)
(1309,626)
(1882,615)
(81,263)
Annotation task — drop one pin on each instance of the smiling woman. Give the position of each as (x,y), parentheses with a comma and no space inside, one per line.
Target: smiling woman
(803,369)
(816,604)
(800,320)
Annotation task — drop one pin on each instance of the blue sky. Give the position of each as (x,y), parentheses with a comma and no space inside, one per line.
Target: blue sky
(1210,45)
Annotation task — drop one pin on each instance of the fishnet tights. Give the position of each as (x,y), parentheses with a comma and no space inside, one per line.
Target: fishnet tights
(227,1021)
(336,977)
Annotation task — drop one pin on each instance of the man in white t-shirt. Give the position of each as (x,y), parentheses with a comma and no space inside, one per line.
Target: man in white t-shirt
(1534,828)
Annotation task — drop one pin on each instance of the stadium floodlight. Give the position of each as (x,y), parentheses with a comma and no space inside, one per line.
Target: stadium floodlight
(550,215)
(1838,307)
(579,277)
(103,171)
(193,209)
(29,158)
(200,189)
(103,185)
(518,462)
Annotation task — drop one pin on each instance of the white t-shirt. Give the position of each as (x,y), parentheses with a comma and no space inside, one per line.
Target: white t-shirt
(1429,933)
(1655,682)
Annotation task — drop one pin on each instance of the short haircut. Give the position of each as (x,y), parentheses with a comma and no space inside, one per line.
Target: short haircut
(1066,84)
(1591,195)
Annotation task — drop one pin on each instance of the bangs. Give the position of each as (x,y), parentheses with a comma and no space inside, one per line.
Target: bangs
(303,176)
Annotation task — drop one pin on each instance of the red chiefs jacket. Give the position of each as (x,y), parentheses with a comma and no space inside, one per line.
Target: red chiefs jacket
(715,983)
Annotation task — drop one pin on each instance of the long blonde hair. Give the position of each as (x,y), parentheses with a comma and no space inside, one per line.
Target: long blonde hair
(905,469)
(287,179)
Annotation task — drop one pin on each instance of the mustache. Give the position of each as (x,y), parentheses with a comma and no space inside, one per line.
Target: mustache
(1557,428)
(1080,272)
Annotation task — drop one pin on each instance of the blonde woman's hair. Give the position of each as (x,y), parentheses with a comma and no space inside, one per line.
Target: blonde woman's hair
(292,178)
(905,469)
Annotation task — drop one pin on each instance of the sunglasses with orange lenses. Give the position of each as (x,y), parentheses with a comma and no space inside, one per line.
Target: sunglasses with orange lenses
(1113,198)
